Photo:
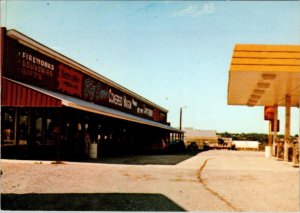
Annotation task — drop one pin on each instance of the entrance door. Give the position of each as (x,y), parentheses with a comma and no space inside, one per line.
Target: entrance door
(37,129)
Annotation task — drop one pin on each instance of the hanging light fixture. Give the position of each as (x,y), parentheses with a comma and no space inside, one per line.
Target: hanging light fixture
(255,97)
(268,76)
(263,85)
(258,91)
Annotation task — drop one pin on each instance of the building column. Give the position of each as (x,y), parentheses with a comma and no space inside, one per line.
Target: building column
(16,127)
(287,136)
(275,130)
(296,146)
(57,131)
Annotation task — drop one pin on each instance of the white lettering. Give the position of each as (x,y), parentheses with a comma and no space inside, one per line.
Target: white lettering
(145,111)
(127,103)
(134,103)
(148,112)
(115,99)
(37,61)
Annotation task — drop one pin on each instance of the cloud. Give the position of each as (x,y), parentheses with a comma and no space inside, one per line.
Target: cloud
(196,10)
(208,8)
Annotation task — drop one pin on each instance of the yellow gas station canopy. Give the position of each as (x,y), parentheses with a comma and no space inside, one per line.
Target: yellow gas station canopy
(262,75)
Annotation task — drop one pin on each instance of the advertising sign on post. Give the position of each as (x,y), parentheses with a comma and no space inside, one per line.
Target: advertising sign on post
(272,126)
(269,113)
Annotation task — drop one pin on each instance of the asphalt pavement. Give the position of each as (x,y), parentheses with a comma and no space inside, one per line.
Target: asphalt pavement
(216,181)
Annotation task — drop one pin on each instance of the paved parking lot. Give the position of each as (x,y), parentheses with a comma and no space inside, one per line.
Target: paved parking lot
(210,181)
(167,159)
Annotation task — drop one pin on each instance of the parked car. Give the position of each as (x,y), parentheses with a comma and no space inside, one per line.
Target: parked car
(176,146)
(159,145)
(192,147)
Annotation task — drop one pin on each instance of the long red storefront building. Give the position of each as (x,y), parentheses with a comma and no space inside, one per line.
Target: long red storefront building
(52,105)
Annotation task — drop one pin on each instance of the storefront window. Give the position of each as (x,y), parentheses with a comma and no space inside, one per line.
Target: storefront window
(23,128)
(39,130)
(8,127)
(50,136)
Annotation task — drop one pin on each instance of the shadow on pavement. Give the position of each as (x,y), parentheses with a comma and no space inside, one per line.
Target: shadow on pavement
(89,202)
(143,159)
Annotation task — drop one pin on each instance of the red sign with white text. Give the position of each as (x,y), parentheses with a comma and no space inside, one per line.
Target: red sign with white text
(27,65)
(69,80)
(269,113)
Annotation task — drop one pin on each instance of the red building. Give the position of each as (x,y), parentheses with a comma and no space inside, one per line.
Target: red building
(52,106)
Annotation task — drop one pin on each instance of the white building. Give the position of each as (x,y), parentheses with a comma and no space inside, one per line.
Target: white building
(199,136)
(246,145)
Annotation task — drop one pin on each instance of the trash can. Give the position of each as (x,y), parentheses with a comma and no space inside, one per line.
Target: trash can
(93,150)
(268,151)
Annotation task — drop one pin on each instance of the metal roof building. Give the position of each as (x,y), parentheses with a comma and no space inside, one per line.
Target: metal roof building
(50,102)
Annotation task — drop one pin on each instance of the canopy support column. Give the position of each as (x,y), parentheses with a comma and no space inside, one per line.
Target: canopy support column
(268,149)
(275,130)
(287,136)
(296,146)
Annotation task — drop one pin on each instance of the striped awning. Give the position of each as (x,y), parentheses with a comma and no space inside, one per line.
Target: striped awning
(15,94)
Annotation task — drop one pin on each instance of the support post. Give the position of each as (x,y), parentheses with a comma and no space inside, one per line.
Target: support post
(270,134)
(58,136)
(268,149)
(275,130)
(16,136)
(16,132)
(296,146)
(287,138)
(180,119)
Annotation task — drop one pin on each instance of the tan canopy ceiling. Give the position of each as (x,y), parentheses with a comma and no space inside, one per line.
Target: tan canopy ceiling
(262,75)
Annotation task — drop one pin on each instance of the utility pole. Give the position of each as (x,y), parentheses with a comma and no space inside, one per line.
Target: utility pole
(180,121)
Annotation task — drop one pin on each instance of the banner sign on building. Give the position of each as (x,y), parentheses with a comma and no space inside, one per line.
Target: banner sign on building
(94,91)
(30,66)
(69,81)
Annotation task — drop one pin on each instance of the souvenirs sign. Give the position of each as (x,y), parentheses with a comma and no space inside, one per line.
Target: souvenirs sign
(30,66)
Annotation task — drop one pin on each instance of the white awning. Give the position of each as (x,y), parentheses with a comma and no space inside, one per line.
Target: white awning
(76,103)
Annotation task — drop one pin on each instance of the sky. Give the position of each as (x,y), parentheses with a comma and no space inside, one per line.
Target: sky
(174,53)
